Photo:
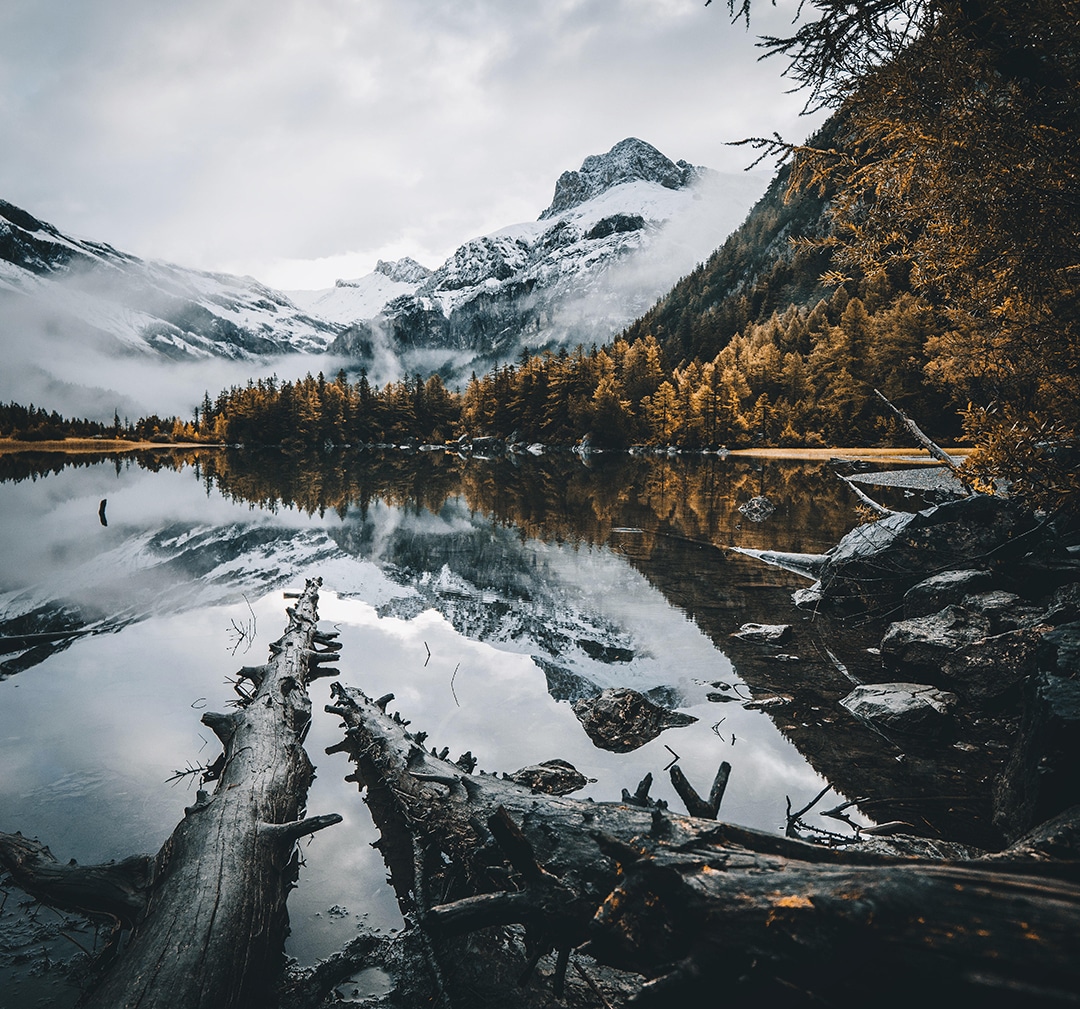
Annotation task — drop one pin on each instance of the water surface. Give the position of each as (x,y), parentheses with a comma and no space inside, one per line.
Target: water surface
(487,595)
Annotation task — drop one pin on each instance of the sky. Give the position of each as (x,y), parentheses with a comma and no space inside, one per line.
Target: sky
(299,141)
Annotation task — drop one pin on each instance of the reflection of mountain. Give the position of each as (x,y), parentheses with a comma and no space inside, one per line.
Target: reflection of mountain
(511,552)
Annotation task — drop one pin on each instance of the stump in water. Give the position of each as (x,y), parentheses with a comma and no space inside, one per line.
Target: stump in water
(207,914)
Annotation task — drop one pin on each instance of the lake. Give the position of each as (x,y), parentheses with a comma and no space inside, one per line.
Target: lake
(486,594)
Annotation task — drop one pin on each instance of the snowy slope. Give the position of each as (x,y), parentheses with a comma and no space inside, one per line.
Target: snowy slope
(50,281)
(618,233)
(351,300)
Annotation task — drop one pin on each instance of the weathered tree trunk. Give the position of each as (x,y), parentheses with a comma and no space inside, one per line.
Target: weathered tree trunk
(208,912)
(699,907)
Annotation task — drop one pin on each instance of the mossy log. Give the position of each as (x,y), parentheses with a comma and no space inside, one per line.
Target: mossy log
(207,914)
(693,906)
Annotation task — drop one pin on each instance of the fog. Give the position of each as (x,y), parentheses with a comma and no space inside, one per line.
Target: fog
(60,362)
(632,285)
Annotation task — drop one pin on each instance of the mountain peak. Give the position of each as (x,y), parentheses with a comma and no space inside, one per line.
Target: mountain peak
(404,271)
(630,160)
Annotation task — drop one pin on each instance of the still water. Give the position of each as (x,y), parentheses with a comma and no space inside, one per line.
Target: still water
(487,595)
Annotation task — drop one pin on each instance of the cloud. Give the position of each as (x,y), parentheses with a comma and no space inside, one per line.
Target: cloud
(265,138)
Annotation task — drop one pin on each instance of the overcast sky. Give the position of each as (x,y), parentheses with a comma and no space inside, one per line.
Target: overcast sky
(301,140)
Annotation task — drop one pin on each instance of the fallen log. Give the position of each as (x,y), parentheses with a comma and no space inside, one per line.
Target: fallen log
(694,906)
(207,914)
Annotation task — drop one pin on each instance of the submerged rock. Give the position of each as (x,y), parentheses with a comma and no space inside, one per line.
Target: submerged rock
(620,719)
(914,708)
(556,777)
(768,634)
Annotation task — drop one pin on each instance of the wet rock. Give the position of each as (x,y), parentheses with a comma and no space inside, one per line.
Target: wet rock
(768,634)
(1060,650)
(944,589)
(621,720)
(1005,610)
(875,565)
(957,649)
(992,669)
(923,644)
(1040,779)
(808,598)
(757,509)
(914,708)
(556,777)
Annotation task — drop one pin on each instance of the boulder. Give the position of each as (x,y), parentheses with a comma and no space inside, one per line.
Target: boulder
(875,564)
(990,670)
(1005,610)
(767,634)
(556,777)
(923,644)
(946,588)
(957,649)
(620,719)
(912,708)
(1040,779)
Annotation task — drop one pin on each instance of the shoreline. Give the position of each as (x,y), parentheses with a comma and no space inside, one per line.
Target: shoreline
(84,446)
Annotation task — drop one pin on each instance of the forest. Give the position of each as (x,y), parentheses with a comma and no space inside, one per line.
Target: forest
(802,378)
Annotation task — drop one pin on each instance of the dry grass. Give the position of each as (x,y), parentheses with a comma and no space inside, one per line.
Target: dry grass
(75,446)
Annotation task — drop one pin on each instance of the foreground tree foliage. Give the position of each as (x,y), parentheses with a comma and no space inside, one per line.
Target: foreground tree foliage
(956,160)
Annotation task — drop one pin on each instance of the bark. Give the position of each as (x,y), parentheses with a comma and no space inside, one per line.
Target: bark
(694,906)
(208,912)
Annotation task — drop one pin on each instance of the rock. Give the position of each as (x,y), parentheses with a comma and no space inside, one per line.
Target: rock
(768,634)
(957,649)
(875,564)
(923,644)
(620,719)
(992,668)
(1005,610)
(944,589)
(808,598)
(1060,651)
(1040,779)
(757,509)
(914,708)
(556,777)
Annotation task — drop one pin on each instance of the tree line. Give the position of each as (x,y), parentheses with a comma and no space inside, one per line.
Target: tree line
(802,378)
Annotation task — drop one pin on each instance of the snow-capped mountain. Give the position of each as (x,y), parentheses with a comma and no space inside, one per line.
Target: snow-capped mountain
(351,300)
(617,234)
(98,293)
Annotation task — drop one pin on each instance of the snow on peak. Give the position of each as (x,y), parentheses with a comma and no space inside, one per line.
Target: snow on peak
(630,160)
(403,271)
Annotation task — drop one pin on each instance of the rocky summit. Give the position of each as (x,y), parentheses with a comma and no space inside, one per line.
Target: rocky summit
(630,160)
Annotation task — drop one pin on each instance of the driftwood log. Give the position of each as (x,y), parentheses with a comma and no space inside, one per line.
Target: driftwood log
(692,907)
(207,914)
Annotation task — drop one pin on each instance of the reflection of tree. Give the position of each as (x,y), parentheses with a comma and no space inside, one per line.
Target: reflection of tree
(555,497)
